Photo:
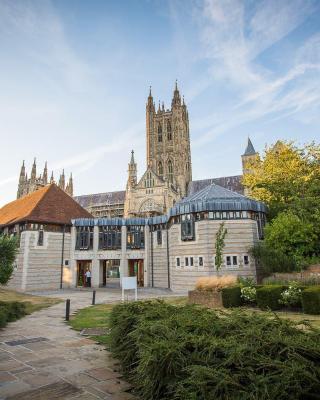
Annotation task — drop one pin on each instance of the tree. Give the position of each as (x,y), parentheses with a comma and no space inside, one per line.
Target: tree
(287,177)
(291,236)
(8,252)
(219,245)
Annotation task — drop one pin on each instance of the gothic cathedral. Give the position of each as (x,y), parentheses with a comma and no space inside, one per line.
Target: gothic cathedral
(169,168)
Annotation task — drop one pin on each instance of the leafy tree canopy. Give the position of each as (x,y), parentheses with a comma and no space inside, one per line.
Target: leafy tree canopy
(8,251)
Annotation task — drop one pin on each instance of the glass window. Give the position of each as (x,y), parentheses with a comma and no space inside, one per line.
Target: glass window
(170,171)
(191,261)
(187,228)
(135,237)
(169,132)
(186,262)
(159,237)
(178,261)
(40,238)
(160,169)
(109,237)
(200,261)
(159,133)
(84,239)
(234,260)
(228,260)
(246,260)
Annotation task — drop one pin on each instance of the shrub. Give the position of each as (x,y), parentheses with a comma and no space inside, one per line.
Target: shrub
(249,294)
(3,317)
(12,310)
(8,252)
(292,295)
(188,353)
(215,282)
(311,300)
(268,297)
(231,297)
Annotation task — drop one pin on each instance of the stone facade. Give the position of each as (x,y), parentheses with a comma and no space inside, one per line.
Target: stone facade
(29,185)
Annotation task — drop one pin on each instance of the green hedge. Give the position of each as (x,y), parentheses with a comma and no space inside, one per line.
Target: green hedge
(231,297)
(11,311)
(189,352)
(268,297)
(311,300)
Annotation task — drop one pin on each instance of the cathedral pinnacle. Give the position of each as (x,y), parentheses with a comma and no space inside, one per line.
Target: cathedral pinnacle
(132,157)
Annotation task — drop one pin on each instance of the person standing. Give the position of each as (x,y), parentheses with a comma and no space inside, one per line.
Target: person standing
(88,278)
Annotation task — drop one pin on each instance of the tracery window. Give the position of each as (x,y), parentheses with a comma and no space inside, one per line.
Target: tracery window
(159,133)
(169,131)
(109,237)
(170,171)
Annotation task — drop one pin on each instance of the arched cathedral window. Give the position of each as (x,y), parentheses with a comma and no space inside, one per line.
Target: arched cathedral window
(170,171)
(159,133)
(169,131)
(160,169)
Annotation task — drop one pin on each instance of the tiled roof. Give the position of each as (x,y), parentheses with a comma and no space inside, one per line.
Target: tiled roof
(96,199)
(232,183)
(49,204)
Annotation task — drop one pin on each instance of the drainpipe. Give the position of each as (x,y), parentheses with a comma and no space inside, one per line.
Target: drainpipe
(62,256)
(151,247)
(168,258)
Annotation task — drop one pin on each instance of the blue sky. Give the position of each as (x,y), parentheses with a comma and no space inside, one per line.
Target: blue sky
(74,78)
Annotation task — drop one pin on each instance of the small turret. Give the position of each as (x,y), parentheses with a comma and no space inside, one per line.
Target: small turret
(150,103)
(62,181)
(176,100)
(22,181)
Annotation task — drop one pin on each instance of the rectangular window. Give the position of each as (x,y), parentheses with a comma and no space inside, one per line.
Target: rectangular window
(228,260)
(246,260)
(187,227)
(178,261)
(234,260)
(159,237)
(109,237)
(191,261)
(186,262)
(200,261)
(40,238)
(135,237)
(84,239)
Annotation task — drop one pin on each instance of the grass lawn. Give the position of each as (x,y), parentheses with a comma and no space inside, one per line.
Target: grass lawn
(98,317)
(33,303)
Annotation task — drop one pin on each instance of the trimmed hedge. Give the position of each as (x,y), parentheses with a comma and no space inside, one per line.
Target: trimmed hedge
(311,300)
(11,311)
(268,297)
(187,352)
(231,297)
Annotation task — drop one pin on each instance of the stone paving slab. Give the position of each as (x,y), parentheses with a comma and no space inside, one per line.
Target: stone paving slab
(64,365)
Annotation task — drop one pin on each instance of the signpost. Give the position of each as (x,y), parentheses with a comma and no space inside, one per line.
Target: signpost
(129,283)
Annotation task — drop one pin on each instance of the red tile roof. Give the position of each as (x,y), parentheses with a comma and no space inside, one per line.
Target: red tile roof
(49,204)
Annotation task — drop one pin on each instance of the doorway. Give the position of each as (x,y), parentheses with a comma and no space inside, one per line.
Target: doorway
(110,273)
(136,268)
(82,267)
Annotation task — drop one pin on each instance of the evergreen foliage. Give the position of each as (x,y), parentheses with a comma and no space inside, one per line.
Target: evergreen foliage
(311,300)
(11,311)
(268,297)
(231,297)
(8,251)
(192,353)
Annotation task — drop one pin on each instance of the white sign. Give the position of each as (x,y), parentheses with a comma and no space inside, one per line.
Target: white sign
(129,283)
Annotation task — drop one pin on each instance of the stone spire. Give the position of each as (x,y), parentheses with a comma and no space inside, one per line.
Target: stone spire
(33,171)
(249,151)
(22,181)
(52,178)
(176,100)
(45,174)
(132,171)
(62,181)
(70,186)
(150,103)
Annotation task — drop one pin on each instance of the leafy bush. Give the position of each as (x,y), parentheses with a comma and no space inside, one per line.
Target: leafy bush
(292,295)
(231,297)
(215,282)
(249,294)
(268,297)
(8,251)
(311,300)
(246,281)
(188,353)
(11,311)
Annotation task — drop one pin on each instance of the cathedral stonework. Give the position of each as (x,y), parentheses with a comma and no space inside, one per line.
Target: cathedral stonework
(29,185)
(168,161)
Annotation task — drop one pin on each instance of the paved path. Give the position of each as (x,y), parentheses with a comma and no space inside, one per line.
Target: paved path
(41,357)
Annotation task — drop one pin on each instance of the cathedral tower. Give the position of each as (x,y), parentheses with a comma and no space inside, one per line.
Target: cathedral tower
(168,142)
(249,155)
